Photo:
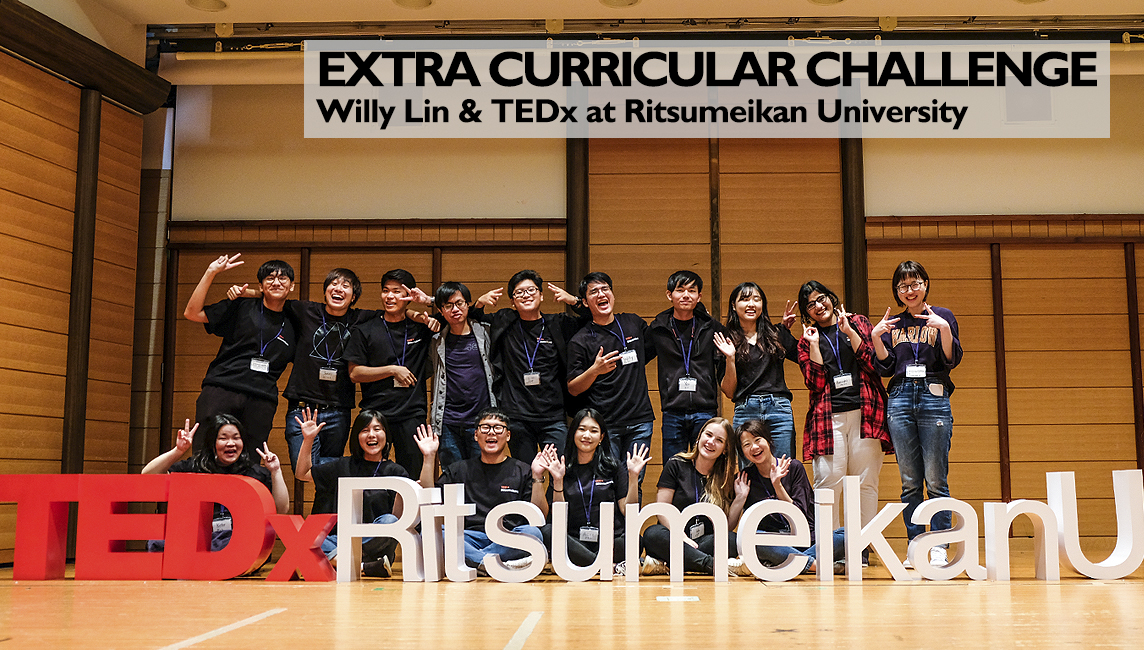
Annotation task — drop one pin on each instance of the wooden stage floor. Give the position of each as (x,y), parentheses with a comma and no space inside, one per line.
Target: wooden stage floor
(550,613)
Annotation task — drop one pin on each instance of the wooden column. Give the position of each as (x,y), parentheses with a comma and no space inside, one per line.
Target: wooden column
(1002,381)
(1134,348)
(303,294)
(715,290)
(576,258)
(171,315)
(854,269)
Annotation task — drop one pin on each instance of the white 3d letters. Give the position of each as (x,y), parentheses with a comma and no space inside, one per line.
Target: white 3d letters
(603,564)
(963,535)
(750,537)
(498,534)
(1128,488)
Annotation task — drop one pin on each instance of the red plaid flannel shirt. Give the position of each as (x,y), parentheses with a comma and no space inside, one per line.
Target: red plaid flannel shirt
(818,436)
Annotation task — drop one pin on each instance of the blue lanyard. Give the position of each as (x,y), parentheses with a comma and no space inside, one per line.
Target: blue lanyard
(261,317)
(699,479)
(835,346)
(623,339)
(532,359)
(690,344)
(404,341)
(591,498)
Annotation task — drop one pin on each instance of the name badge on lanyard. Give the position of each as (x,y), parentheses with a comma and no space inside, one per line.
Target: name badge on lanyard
(915,371)
(328,374)
(845,380)
(629,356)
(258,364)
(695,531)
(688,384)
(589,534)
(532,379)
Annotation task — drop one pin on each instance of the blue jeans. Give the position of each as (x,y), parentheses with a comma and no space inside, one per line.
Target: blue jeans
(330,544)
(921,426)
(477,545)
(776,555)
(776,412)
(680,431)
(331,442)
(530,437)
(457,444)
(626,438)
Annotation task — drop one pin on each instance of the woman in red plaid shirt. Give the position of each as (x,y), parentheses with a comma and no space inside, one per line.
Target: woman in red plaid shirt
(845,430)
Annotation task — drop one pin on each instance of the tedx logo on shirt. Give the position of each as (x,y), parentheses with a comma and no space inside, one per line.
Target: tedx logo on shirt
(509,488)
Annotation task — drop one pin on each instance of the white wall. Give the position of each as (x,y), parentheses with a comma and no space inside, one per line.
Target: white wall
(967,177)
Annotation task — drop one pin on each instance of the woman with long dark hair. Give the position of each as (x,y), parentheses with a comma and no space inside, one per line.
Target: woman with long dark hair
(755,348)
(586,476)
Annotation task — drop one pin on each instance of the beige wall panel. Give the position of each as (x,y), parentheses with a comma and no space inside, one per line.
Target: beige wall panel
(496,267)
(115,284)
(1089,296)
(966,481)
(32,89)
(31,350)
(33,220)
(116,244)
(1047,442)
(1068,368)
(26,131)
(34,264)
(106,442)
(975,405)
(370,266)
(31,437)
(111,322)
(976,370)
(49,312)
(1029,262)
(647,156)
(962,297)
(117,204)
(944,265)
(780,208)
(122,131)
(976,443)
(1093,478)
(29,393)
(1080,332)
(649,208)
(109,402)
(110,361)
(1094,406)
(778,155)
(780,270)
(639,273)
(27,175)
(976,332)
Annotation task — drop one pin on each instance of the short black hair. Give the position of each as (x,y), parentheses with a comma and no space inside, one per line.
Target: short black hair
(271,267)
(521,276)
(494,412)
(446,291)
(344,274)
(363,420)
(399,275)
(908,269)
(684,278)
(593,278)
(804,298)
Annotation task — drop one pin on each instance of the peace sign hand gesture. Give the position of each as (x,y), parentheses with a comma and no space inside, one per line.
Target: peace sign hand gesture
(884,325)
(186,437)
(788,315)
(224,263)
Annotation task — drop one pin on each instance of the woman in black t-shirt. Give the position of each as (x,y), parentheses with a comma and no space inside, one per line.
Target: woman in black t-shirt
(587,476)
(703,474)
(227,455)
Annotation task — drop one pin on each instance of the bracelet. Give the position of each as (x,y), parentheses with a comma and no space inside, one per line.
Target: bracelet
(555,490)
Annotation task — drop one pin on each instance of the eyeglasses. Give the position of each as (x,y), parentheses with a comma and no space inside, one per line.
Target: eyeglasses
(916,286)
(525,292)
(455,304)
(599,290)
(492,428)
(277,279)
(821,301)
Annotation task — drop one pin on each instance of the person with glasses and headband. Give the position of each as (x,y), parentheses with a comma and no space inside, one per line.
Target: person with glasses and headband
(606,361)
(845,432)
(530,360)
(258,341)
(917,348)
(462,373)
(490,479)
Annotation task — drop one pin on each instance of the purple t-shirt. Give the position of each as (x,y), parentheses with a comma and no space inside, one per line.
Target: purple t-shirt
(466,387)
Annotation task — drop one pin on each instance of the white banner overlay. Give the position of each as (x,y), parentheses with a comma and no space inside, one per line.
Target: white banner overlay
(701,89)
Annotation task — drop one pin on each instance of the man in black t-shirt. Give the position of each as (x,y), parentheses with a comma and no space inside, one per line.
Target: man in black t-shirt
(606,361)
(530,360)
(258,341)
(389,356)
(490,480)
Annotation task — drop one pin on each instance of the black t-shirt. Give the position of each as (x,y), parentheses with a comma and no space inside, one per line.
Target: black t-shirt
(377,342)
(760,373)
(534,340)
(321,344)
(466,385)
(249,331)
(620,395)
(686,349)
(374,502)
(841,399)
(488,486)
(797,486)
(680,475)
(584,493)
(256,472)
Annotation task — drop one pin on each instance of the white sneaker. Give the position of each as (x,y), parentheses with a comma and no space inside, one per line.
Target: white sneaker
(620,569)
(906,563)
(938,557)
(522,563)
(737,567)
(653,567)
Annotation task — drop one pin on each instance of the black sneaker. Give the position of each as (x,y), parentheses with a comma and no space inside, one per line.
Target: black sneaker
(373,549)
(377,569)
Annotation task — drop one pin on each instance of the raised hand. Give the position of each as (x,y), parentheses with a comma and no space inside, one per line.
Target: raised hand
(224,263)
(562,295)
(236,291)
(490,299)
(844,322)
(724,345)
(556,465)
(427,440)
(811,335)
(269,458)
(417,295)
(742,486)
(789,316)
(884,325)
(637,461)
(433,324)
(780,468)
(932,319)
(310,427)
(186,437)
(605,363)
(539,466)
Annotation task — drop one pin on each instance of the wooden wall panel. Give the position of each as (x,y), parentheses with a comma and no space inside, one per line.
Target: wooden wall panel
(780,208)
(778,155)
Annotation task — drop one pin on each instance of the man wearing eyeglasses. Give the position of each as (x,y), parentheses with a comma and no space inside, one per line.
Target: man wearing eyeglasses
(462,373)
(258,341)
(490,479)
(530,358)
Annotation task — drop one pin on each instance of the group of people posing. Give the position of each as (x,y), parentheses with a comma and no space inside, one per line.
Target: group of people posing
(504,382)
